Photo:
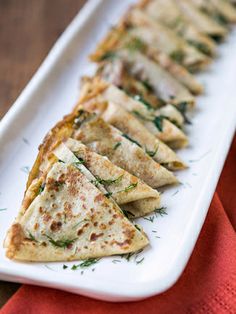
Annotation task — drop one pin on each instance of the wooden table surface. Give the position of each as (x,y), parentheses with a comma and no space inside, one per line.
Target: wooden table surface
(28,29)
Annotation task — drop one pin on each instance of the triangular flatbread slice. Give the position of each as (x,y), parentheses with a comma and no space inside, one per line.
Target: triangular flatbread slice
(127,190)
(95,90)
(223,12)
(203,22)
(71,219)
(165,39)
(167,12)
(103,139)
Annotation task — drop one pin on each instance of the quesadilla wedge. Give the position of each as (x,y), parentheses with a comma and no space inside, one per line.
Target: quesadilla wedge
(121,37)
(168,13)
(97,91)
(202,21)
(114,182)
(222,12)
(158,35)
(103,138)
(163,84)
(172,113)
(71,220)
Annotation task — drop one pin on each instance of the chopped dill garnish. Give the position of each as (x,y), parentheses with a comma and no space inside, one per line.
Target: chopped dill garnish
(151,219)
(106,181)
(140,261)
(116,145)
(116,261)
(177,56)
(87,263)
(81,117)
(130,139)
(65,266)
(151,153)
(108,194)
(141,116)
(61,243)
(130,187)
(143,101)
(220,19)
(31,237)
(109,55)
(128,256)
(161,211)
(147,85)
(175,193)
(200,46)
(48,267)
(137,227)
(127,213)
(158,121)
(79,223)
(25,141)
(182,108)
(135,44)
(41,188)
(79,162)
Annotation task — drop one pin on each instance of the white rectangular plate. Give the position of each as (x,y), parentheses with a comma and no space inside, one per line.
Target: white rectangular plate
(50,94)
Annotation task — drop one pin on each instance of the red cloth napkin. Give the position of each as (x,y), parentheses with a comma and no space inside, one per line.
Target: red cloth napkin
(208,284)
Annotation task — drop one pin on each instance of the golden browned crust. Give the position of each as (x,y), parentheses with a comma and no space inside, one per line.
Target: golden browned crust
(15,237)
(111,42)
(61,131)
(90,88)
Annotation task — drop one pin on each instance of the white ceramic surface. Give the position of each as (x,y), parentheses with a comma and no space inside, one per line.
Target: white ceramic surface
(50,94)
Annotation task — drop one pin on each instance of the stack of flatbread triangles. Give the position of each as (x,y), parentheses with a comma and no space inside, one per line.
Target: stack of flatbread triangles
(100,167)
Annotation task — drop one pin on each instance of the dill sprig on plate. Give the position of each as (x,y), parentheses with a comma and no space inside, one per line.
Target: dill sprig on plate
(87,263)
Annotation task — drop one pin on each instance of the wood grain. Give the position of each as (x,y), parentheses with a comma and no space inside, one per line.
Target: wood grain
(28,29)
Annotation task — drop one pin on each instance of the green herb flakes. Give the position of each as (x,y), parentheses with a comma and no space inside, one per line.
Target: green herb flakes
(106,181)
(161,211)
(127,213)
(31,237)
(182,108)
(130,139)
(116,145)
(41,188)
(151,153)
(177,56)
(135,44)
(131,187)
(64,243)
(109,55)
(87,263)
(158,121)
(143,101)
